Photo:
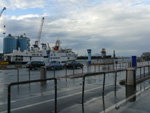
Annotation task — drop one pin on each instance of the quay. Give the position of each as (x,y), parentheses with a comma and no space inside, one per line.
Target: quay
(76,90)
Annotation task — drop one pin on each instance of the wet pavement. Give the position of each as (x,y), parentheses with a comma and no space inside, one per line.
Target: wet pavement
(34,98)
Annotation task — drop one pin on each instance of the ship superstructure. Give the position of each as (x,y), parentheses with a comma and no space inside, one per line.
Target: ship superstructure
(45,54)
(57,53)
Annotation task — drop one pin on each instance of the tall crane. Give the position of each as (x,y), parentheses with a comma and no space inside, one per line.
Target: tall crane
(40,32)
(2,11)
(1,15)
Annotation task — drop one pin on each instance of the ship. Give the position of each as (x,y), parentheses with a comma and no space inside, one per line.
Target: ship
(45,54)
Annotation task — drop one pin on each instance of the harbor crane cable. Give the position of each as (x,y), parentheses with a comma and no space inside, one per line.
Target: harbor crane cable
(40,32)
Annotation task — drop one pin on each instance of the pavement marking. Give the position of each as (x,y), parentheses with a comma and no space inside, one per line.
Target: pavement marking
(123,101)
(15,109)
(46,93)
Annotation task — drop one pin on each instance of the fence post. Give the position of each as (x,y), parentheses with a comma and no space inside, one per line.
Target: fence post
(9,97)
(25,82)
(103,84)
(115,79)
(43,74)
(29,74)
(83,85)
(55,95)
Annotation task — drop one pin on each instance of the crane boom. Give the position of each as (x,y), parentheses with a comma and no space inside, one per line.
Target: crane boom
(40,32)
(2,11)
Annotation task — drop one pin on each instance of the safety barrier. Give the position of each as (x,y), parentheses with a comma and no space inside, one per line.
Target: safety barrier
(104,76)
(25,82)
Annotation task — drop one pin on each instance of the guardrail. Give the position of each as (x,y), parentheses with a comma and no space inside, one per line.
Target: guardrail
(104,76)
(25,82)
(140,67)
(83,81)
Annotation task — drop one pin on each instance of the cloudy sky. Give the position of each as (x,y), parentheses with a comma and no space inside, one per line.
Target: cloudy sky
(120,25)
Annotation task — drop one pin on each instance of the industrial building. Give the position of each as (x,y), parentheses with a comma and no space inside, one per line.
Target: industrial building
(11,43)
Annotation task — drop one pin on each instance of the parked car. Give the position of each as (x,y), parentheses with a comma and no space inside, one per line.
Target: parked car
(73,64)
(55,65)
(63,63)
(35,64)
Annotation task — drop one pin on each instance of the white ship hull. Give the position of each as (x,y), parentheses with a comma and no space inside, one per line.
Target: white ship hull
(40,55)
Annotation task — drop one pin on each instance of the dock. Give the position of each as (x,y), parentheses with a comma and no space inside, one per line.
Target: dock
(82,90)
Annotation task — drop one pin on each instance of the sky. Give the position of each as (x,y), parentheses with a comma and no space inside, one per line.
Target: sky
(120,25)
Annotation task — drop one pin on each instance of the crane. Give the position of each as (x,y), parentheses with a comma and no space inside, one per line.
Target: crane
(2,11)
(1,15)
(48,47)
(40,32)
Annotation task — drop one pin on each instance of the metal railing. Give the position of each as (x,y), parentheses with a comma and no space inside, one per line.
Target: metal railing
(104,76)
(25,82)
(83,80)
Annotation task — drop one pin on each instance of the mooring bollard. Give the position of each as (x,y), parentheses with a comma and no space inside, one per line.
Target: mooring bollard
(131,77)
(43,74)
(131,90)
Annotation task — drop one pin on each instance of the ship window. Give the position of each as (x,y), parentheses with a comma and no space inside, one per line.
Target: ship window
(37,54)
(41,54)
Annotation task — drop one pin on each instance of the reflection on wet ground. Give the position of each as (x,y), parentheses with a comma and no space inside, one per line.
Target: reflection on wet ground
(36,98)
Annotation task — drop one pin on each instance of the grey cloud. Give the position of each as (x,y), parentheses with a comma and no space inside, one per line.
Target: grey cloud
(81,25)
